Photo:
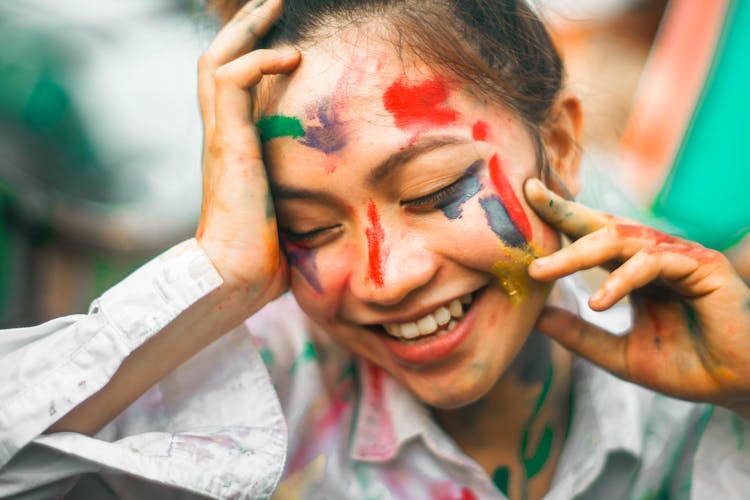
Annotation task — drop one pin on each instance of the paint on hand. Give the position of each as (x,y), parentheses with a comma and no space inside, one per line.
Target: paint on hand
(329,137)
(376,252)
(303,259)
(464,190)
(272,127)
(513,207)
(419,106)
(480,130)
(500,222)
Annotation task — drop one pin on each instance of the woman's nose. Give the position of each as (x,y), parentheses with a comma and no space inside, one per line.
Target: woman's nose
(392,265)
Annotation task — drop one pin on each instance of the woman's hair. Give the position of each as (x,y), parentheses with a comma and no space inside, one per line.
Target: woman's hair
(500,47)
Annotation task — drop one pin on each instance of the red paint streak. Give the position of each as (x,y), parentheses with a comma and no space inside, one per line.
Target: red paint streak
(508,196)
(419,105)
(375,250)
(646,233)
(446,490)
(479,131)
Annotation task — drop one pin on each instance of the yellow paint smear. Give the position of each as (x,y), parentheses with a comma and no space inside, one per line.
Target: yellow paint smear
(512,274)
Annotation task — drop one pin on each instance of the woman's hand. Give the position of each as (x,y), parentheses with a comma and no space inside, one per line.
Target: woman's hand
(691,327)
(238,227)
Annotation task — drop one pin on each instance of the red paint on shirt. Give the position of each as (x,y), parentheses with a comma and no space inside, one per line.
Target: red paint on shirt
(419,105)
(508,196)
(479,131)
(375,250)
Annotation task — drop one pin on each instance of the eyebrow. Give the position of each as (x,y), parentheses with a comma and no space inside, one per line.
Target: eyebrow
(382,171)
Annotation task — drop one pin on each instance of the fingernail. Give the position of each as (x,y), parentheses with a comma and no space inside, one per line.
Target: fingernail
(598,296)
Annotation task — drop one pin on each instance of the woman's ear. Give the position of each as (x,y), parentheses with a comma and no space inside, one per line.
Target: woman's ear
(562,139)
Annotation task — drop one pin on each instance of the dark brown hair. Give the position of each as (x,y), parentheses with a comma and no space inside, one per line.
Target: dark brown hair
(501,47)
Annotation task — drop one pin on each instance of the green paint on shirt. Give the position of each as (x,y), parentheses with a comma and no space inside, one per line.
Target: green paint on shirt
(307,354)
(271,127)
(266,355)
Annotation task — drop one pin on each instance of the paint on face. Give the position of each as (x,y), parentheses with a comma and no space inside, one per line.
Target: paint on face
(533,463)
(500,222)
(479,131)
(501,478)
(513,207)
(303,259)
(419,106)
(464,190)
(329,137)
(511,274)
(376,252)
(272,127)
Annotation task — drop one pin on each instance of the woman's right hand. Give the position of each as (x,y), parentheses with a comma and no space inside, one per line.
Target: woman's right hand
(237,227)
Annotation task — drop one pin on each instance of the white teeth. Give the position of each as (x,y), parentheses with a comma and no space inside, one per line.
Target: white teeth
(427,325)
(442,316)
(456,308)
(409,330)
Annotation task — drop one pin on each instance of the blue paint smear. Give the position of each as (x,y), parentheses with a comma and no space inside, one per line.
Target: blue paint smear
(464,190)
(329,137)
(304,261)
(500,222)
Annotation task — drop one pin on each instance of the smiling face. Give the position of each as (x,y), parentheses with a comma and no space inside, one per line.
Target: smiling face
(399,195)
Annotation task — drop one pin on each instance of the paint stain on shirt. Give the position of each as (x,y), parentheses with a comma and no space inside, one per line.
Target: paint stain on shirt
(419,106)
(376,252)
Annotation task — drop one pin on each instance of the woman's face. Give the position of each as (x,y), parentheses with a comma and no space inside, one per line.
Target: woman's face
(399,197)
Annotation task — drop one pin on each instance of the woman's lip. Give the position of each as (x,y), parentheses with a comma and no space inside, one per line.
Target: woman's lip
(434,349)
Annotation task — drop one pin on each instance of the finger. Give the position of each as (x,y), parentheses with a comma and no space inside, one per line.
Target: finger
(569,217)
(683,267)
(239,35)
(583,338)
(596,249)
(233,80)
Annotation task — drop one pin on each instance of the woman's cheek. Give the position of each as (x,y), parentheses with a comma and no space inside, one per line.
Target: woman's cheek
(320,283)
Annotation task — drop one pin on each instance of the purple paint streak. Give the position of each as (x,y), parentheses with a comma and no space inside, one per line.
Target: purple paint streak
(303,260)
(330,136)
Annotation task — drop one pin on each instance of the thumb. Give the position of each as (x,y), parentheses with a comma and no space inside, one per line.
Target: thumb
(584,339)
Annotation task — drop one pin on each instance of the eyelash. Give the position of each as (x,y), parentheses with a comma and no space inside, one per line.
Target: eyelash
(433,200)
(306,239)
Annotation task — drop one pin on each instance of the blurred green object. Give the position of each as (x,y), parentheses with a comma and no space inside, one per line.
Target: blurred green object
(707,188)
(5,268)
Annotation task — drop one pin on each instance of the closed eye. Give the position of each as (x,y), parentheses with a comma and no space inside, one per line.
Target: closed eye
(463,188)
(313,238)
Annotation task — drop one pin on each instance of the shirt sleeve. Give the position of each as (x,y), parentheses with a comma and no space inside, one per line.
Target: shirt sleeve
(721,468)
(184,433)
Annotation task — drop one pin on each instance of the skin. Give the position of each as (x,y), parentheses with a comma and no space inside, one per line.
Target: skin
(697,302)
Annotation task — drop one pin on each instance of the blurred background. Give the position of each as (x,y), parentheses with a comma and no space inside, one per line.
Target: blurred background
(100,135)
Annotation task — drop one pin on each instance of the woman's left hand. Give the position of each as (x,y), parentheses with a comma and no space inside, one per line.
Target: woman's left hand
(690,337)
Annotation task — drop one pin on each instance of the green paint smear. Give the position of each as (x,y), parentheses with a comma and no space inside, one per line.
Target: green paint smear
(271,127)
(501,478)
(267,356)
(535,463)
(739,431)
(307,354)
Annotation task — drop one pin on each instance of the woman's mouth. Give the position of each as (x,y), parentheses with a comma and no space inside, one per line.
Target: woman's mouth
(437,323)
(435,336)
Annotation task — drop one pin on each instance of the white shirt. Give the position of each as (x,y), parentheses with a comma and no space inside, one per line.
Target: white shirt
(272,408)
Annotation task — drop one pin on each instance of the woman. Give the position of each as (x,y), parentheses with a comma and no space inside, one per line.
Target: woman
(396,139)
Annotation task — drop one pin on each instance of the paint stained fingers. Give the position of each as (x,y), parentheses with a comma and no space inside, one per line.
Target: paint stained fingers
(233,101)
(571,218)
(587,340)
(600,248)
(646,266)
(239,35)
